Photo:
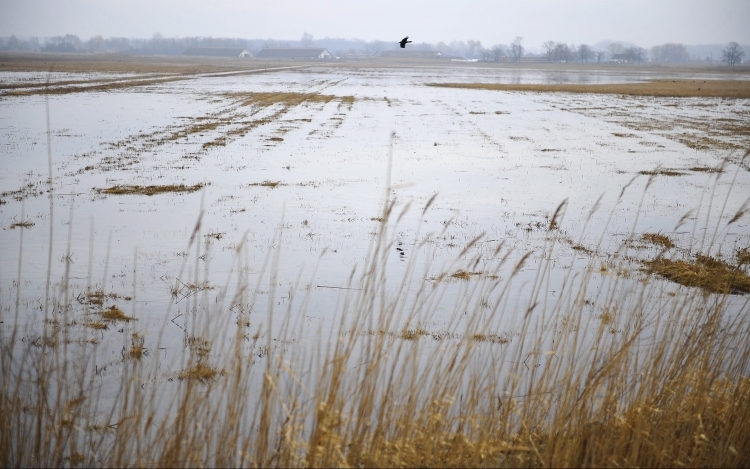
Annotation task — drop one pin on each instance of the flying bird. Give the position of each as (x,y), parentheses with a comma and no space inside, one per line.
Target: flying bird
(404,41)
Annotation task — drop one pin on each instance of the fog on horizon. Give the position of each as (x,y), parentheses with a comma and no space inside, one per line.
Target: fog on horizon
(641,22)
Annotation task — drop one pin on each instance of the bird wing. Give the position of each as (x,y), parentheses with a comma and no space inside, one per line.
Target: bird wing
(405,39)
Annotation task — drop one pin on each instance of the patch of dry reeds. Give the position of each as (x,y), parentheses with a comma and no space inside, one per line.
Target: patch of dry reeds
(662,88)
(651,379)
(149,190)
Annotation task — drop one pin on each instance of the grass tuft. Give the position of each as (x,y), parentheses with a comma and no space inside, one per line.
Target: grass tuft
(658,239)
(267,183)
(22,224)
(704,272)
(115,314)
(464,274)
(200,372)
(149,190)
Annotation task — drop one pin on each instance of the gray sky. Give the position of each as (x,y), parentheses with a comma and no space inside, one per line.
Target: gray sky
(644,22)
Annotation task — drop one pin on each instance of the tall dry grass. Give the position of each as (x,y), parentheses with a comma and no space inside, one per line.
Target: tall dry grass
(654,380)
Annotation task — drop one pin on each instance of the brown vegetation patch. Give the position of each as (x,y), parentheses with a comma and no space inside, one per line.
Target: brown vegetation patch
(706,169)
(115,314)
(200,372)
(199,346)
(464,275)
(661,172)
(137,349)
(581,248)
(286,98)
(266,183)
(22,224)
(658,239)
(661,88)
(492,338)
(149,190)
(96,325)
(412,334)
(94,88)
(705,272)
(743,257)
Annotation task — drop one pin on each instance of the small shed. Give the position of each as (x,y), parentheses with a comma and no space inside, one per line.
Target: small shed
(293,53)
(218,52)
(620,59)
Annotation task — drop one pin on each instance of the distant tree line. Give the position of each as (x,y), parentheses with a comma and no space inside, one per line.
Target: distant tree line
(552,51)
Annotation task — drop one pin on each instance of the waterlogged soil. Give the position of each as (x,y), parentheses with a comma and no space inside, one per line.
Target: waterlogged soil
(170,195)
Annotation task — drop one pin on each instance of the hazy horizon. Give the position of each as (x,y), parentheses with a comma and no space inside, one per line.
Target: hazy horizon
(491,22)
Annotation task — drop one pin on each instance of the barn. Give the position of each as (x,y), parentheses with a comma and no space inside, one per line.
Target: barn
(293,53)
(218,52)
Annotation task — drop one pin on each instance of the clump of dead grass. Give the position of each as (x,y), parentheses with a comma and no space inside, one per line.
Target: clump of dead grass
(96,325)
(661,172)
(200,372)
(661,88)
(464,274)
(149,190)
(658,239)
(267,183)
(706,169)
(491,338)
(115,314)
(137,347)
(22,224)
(704,272)
(199,346)
(743,257)
(287,98)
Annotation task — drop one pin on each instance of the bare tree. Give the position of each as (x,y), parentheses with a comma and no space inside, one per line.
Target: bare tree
(585,52)
(636,54)
(498,52)
(549,46)
(732,53)
(669,52)
(562,53)
(473,48)
(600,55)
(307,39)
(516,48)
(615,48)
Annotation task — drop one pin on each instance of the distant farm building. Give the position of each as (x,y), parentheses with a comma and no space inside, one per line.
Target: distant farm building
(411,54)
(294,53)
(218,52)
(620,59)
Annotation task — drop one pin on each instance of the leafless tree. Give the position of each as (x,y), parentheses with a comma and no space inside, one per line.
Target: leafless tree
(67,43)
(562,53)
(516,48)
(669,52)
(307,39)
(615,48)
(498,52)
(600,55)
(96,44)
(549,46)
(732,53)
(636,54)
(585,52)
(473,48)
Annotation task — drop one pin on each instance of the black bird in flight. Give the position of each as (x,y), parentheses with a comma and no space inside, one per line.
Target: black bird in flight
(404,41)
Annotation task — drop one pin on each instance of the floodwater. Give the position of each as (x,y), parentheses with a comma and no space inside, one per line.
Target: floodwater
(295,165)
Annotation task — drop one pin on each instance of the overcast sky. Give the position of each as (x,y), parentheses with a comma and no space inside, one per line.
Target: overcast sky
(644,22)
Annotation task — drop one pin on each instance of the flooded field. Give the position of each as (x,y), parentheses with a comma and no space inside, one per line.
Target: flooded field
(159,212)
